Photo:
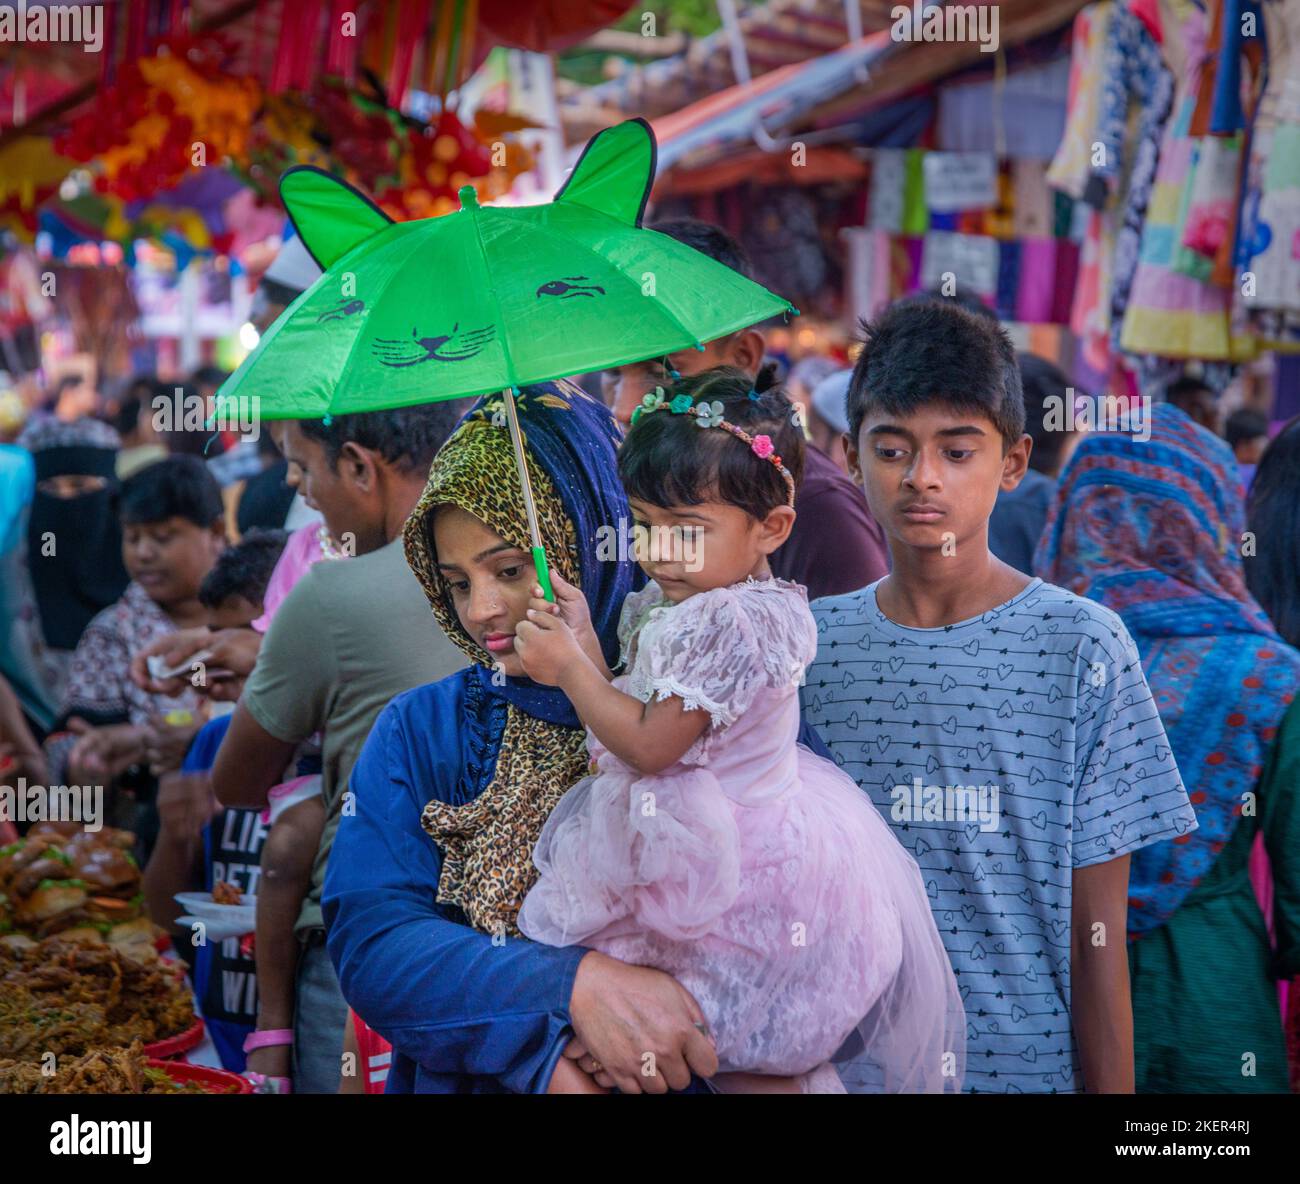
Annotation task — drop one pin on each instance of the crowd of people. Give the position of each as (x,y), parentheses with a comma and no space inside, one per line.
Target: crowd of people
(925,746)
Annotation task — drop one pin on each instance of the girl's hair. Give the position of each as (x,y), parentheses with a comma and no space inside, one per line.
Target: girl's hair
(1273,572)
(667,460)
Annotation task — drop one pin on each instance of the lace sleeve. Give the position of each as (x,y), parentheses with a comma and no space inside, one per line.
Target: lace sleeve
(636,606)
(718,649)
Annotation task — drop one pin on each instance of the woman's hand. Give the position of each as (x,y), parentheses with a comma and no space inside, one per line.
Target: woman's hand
(569,1077)
(642,1027)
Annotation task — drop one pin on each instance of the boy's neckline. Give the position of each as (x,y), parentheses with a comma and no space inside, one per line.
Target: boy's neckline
(1034,584)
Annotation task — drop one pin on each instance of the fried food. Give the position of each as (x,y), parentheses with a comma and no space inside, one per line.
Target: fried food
(45,904)
(223,893)
(68,998)
(62,876)
(100,1071)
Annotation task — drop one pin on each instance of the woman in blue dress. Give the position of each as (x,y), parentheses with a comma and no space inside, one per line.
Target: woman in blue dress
(434,849)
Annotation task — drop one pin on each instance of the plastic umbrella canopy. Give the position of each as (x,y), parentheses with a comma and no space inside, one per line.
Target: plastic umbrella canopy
(487,298)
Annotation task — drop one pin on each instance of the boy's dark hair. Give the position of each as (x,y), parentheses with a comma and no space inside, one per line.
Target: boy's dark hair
(709,240)
(1041,380)
(407,438)
(933,351)
(719,246)
(1273,572)
(244,569)
(667,460)
(962,298)
(175,487)
(1244,424)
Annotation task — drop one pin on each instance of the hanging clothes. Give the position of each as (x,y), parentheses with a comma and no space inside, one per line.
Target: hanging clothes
(1089,305)
(1271,219)
(1072,165)
(1168,313)
(1133,70)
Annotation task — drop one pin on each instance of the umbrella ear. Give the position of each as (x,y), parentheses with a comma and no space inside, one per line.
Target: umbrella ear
(615,172)
(329,215)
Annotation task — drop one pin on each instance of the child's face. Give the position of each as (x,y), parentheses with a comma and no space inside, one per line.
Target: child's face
(490,582)
(931,478)
(691,549)
(169,559)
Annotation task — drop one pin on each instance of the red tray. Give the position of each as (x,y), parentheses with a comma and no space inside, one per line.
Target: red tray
(173,1046)
(219,1079)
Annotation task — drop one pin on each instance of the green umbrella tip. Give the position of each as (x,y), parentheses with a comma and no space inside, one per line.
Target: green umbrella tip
(468,197)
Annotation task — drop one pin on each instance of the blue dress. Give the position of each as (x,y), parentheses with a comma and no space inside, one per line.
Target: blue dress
(465,1012)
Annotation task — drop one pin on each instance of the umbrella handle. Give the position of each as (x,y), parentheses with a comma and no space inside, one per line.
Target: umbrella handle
(530,508)
(543,573)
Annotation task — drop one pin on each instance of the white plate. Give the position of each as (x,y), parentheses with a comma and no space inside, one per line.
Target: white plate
(239,918)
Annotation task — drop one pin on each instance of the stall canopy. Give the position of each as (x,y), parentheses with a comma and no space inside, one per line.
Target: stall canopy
(837,89)
(432,45)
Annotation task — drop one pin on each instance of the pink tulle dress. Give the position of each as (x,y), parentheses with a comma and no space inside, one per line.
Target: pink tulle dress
(756,873)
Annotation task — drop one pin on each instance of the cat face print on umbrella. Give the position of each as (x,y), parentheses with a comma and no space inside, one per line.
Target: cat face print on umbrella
(487,298)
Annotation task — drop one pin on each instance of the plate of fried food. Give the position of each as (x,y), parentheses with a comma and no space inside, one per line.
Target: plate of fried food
(69,997)
(224,912)
(127,1070)
(80,884)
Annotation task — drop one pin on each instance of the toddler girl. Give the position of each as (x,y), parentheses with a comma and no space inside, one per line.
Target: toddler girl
(707,843)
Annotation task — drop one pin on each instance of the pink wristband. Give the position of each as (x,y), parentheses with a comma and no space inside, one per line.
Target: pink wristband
(268,1038)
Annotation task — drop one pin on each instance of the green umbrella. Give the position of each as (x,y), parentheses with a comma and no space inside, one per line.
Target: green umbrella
(488,298)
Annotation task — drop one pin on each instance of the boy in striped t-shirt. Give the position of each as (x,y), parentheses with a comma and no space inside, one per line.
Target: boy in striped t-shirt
(1002,725)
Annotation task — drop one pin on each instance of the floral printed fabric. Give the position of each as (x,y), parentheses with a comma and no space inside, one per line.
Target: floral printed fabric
(99,687)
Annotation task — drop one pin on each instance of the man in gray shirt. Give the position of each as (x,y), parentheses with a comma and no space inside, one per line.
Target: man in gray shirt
(347,639)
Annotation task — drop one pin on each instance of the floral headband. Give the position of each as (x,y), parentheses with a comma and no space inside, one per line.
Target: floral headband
(709,415)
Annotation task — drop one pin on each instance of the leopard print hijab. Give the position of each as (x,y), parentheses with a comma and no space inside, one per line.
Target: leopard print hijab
(487,843)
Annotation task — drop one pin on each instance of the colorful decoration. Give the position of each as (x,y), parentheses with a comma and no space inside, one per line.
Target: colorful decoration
(173,132)
(163,116)
(30,174)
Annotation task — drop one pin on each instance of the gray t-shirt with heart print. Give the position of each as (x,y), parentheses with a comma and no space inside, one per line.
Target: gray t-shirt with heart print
(1006,751)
